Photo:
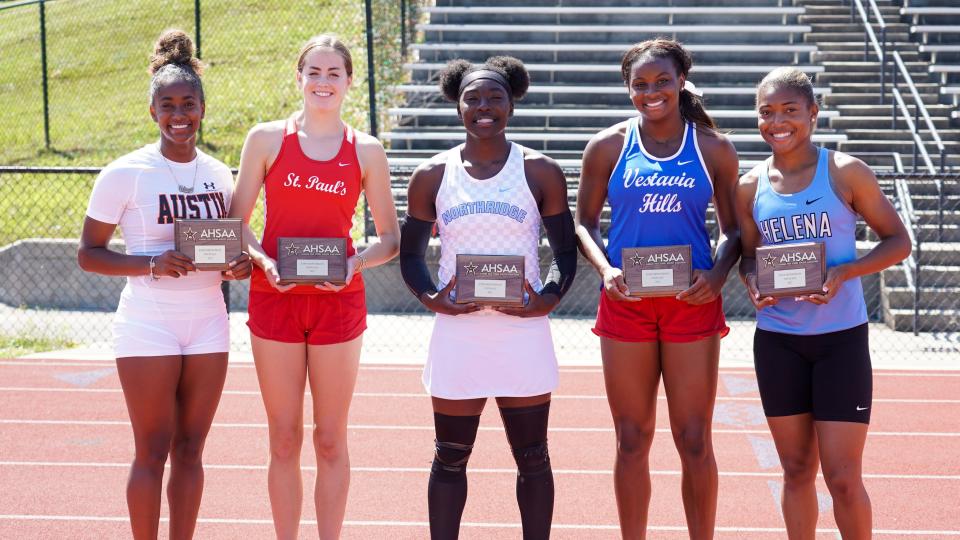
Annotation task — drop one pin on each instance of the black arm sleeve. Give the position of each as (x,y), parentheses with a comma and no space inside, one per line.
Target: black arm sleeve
(414,238)
(563,243)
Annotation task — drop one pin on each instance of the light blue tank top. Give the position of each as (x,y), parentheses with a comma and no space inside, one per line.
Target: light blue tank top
(815,214)
(659,201)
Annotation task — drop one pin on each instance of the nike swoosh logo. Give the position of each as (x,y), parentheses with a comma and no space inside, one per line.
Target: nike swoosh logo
(859,408)
(682,163)
(809,202)
(505,189)
(344,164)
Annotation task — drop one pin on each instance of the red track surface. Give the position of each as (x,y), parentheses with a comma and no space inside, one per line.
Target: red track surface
(65,446)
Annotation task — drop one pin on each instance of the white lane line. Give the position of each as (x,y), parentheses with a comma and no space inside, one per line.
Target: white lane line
(473,470)
(418,395)
(470,524)
(387,427)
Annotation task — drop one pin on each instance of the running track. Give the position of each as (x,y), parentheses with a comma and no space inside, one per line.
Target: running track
(65,445)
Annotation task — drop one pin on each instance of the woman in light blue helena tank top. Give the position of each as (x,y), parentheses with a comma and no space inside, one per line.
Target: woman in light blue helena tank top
(659,171)
(811,352)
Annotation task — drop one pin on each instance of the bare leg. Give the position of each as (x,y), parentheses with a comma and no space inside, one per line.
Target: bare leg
(631,372)
(332,371)
(282,374)
(198,394)
(149,389)
(690,382)
(841,454)
(796,442)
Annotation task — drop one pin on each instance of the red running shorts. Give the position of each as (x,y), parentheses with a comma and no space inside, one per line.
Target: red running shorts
(316,319)
(659,319)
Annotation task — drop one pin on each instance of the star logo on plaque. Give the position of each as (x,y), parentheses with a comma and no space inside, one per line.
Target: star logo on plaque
(637,259)
(293,249)
(769,261)
(190,234)
(470,268)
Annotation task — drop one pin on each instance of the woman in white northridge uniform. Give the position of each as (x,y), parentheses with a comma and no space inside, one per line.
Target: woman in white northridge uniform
(171,331)
(489,197)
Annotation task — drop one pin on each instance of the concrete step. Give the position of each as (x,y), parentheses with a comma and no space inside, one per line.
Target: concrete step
(831,55)
(931,276)
(947,135)
(840,98)
(856,77)
(857,27)
(929,187)
(902,320)
(939,254)
(903,146)
(928,88)
(932,233)
(880,122)
(930,298)
(932,218)
(870,66)
(881,110)
(950,203)
(829,38)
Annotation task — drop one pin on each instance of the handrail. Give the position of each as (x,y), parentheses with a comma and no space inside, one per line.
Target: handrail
(871,38)
(911,264)
(918,143)
(916,97)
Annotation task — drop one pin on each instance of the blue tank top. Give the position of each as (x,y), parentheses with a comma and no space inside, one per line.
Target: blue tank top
(814,214)
(660,201)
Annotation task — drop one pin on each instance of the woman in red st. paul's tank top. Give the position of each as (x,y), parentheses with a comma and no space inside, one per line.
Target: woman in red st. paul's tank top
(312,168)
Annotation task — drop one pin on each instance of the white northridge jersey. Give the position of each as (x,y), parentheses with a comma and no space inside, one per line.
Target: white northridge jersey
(138,193)
(496,216)
(488,353)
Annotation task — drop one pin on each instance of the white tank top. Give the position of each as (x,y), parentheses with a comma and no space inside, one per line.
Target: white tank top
(496,216)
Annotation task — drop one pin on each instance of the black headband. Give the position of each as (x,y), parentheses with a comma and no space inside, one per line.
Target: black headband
(488,74)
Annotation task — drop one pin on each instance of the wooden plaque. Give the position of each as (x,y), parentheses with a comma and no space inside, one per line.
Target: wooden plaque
(312,260)
(791,269)
(210,243)
(495,280)
(657,271)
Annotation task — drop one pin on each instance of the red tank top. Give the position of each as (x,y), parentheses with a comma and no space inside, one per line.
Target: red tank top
(309,198)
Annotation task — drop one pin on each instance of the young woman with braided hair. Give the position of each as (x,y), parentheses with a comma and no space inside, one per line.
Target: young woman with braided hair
(659,171)
(171,333)
(489,196)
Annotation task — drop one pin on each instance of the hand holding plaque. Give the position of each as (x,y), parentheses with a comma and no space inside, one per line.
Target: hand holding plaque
(791,269)
(495,280)
(657,271)
(210,243)
(312,260)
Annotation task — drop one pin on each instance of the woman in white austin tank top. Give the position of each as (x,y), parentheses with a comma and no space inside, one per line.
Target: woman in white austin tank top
(489,197)
(171,336)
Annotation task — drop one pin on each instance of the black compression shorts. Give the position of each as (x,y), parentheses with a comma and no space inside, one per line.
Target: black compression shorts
(828,375)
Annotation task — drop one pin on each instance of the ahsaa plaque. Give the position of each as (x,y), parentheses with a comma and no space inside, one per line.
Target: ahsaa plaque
(657,271)
(791,269)
(490,279)
(210,243)
(312,260)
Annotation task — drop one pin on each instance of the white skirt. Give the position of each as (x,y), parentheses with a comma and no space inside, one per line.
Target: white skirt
(490,354)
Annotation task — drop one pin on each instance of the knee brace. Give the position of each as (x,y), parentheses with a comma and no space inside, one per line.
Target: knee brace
(450,459)
(532,460)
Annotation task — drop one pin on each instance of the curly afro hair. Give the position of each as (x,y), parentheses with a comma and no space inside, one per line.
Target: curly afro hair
(511,68)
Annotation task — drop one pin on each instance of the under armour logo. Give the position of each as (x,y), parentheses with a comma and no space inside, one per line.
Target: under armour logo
(209,186)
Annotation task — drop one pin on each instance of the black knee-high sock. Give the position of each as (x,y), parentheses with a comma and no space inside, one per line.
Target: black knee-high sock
(447,489)
(527,432)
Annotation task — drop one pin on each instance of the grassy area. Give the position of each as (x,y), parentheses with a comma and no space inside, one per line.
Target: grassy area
(97,57)
(14,346)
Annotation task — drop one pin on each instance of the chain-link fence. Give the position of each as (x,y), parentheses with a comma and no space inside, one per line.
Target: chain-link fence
(915,305)
(73,73)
